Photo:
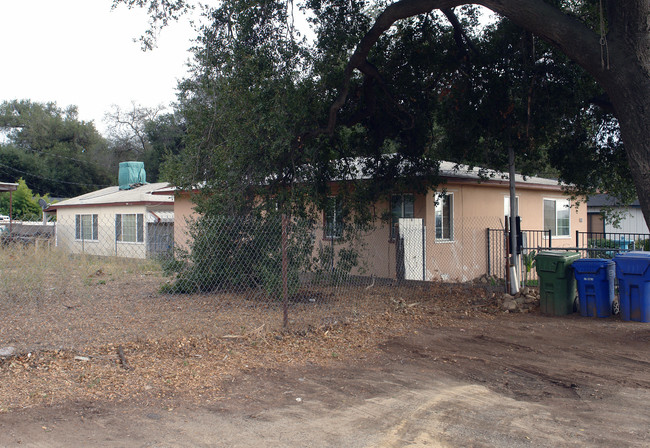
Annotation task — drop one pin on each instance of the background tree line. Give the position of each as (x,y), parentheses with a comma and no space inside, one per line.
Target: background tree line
(49,151)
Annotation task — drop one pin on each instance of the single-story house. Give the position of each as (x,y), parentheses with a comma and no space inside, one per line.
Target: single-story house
(125,221)
(631,217)
(442,235)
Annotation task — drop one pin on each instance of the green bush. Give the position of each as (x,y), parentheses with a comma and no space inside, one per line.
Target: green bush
(239,253)
(335,266)
(642,244)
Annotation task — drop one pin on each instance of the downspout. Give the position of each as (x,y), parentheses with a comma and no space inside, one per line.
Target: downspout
(155,216)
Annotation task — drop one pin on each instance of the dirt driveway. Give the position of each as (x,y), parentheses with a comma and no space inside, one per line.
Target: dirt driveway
(507,381)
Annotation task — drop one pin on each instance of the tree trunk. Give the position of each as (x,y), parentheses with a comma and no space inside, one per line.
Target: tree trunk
(628,86)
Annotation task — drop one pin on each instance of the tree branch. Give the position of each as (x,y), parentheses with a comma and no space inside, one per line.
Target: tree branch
(568,34)
(460,36)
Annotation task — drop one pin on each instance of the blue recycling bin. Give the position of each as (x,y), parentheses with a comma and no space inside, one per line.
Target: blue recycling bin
(595,281)
(633,275)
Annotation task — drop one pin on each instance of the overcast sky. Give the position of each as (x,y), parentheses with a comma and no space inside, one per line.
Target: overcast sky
(79,52)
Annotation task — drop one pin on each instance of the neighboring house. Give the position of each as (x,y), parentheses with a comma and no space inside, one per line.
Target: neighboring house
(632,220)
(446,237)
(124,221)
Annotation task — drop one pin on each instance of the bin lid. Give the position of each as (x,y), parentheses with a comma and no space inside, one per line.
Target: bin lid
(555,260)
(634,253)
(632,263)
(563,254)
(591,265)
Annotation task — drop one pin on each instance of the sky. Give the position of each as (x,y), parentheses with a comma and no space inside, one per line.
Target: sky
(79,52)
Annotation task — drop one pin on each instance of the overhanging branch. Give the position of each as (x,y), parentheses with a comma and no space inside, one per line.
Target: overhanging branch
(541,18)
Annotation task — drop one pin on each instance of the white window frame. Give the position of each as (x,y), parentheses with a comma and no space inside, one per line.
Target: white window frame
(438,211)
(139,229)
(554,233)
(394,232)
(79,226)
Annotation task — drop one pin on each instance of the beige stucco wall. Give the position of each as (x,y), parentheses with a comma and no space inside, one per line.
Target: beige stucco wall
(481,206)
(184,214)
(105,244)
(483,200)
(476,207)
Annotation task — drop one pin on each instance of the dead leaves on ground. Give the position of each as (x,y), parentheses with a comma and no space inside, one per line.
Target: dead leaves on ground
(194,367)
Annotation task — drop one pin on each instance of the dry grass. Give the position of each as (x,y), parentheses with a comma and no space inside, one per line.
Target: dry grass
(33,274)
(56,308)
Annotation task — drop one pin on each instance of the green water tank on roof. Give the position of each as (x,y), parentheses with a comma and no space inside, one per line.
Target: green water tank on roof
(131,174)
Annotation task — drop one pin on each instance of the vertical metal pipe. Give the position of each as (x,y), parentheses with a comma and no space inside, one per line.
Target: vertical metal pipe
(333,229)
(285,286)
(489,273)
(11,217)
(513,210)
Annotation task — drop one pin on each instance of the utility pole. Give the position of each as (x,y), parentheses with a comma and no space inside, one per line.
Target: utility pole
(514,259)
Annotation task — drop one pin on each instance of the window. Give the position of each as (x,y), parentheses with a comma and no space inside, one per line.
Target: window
(401,206)
(85,227)
(129,228)
(556,217)
(445,216)
(333,218)
(506,206)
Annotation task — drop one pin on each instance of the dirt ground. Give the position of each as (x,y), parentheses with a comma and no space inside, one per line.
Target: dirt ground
(418,369)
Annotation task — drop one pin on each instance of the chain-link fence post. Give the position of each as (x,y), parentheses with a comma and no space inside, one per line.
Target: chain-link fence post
(285,262)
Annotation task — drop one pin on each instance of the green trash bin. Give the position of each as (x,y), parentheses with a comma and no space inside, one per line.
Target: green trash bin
(557,284)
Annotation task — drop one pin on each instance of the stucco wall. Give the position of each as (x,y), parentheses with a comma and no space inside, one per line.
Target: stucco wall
(476,207)
(106,243)
(183,214)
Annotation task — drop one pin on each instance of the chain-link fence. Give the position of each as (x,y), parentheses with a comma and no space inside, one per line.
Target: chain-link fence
(87,274)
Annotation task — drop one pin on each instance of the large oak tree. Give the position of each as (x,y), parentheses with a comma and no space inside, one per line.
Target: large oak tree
(609,39)
(618,59)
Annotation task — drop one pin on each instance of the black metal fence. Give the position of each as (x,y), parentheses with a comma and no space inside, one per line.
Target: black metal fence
(530,243)
(607,244)
(588,244)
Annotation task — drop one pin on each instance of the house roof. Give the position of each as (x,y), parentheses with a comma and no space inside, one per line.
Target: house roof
(453,170)
(355,169)
(605,200)
(141,195)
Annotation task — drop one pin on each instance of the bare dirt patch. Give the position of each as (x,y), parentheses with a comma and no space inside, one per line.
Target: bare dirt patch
(434,365)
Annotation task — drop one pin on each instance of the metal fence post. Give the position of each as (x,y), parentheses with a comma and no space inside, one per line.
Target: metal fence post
(424,253)
(285,286)
(489,255)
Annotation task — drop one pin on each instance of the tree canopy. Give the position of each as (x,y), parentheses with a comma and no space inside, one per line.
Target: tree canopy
(56,153)
(24,204)
(51,149)
(563,81)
